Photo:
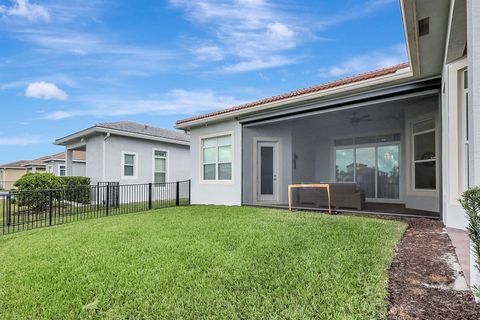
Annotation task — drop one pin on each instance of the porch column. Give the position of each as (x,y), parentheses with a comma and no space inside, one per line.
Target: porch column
(473,38)
(69,162)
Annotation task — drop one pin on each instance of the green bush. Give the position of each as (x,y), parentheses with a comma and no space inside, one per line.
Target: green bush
(39,181)
(75,181)
(77,189)
(30,188)
(470,201)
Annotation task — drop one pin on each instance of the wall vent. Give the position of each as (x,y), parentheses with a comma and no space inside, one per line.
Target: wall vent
(423,27)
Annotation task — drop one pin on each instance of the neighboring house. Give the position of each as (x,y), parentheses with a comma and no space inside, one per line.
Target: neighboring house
(130,152)
(56,164)
(10,173)
(408,135)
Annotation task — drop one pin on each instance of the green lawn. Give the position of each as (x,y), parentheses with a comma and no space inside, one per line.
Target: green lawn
(200,262)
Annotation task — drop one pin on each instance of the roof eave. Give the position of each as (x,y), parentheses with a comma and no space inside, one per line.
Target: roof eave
(398,75)
(97,129)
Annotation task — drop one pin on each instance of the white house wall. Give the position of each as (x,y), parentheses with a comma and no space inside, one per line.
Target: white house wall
(218,192)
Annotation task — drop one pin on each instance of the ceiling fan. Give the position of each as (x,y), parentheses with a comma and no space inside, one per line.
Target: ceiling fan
(355,120)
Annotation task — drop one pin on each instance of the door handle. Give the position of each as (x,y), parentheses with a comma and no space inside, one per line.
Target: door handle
(274,177)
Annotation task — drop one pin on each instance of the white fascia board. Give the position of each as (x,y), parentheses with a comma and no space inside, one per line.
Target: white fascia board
(399,75)
(93,130)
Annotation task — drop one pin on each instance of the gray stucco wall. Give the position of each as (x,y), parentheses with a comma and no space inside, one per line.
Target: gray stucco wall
(178,161)
(283,133)
(78,168)
(218,192)
(94,151)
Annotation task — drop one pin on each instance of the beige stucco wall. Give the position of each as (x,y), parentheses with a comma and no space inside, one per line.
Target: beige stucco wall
(11,175)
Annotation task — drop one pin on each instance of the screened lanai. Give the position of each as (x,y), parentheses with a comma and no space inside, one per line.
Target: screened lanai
(381,158)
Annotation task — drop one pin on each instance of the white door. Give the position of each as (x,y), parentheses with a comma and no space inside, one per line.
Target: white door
(267,171)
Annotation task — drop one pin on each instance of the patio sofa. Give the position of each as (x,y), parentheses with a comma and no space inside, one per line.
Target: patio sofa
(343,195)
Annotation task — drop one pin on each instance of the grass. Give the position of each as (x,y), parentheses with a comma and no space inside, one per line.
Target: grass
(200,262)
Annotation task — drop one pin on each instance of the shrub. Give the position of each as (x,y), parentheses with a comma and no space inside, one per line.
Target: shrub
(77,189)
(75,181)
(39,181)
(30,188)
(470,201)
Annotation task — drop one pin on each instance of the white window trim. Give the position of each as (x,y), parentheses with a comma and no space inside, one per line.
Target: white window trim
(412,152)
(255,170)
(167,164)
(50,168)
(60,169)
(200,150)
(135,165)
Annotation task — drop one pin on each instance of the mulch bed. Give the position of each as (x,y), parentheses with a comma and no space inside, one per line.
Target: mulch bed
(419,264)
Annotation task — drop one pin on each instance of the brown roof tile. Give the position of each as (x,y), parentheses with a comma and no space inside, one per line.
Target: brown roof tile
(295,93)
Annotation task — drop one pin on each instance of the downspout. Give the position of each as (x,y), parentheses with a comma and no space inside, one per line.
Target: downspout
(104,156)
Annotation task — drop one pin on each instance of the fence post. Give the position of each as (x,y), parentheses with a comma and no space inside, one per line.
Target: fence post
(150,196)
(108,196)
(189,192)
(177,198)
(9,209)
(50,209)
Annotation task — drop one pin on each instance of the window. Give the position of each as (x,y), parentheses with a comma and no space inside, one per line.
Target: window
(217,158)
(129,165)
(374,167)
(50,169)
(160,167)
(424,155)
(62,170)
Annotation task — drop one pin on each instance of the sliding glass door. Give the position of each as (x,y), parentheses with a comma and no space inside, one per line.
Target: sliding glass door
(375,168)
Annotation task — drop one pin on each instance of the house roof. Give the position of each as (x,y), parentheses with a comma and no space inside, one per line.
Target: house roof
(318,88)
(15,164)
(135,127)
(131,129)
(77,156)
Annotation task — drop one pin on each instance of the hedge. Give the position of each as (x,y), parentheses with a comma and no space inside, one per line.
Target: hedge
(75,189)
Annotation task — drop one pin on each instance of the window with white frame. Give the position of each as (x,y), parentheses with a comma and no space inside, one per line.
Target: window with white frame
(50,169)
(62,171)
(160,166)
(129,164)
(424,155)
(217,158)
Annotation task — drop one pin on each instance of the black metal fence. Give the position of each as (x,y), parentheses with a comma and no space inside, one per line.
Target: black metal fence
(29,209)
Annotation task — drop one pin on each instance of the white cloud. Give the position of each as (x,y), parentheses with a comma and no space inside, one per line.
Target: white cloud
(174,102)
(252,31)
(258,64)
(99,51)
(45,90)
(357,11)
(212,52)
(18,141)
(367,62)
(25,9)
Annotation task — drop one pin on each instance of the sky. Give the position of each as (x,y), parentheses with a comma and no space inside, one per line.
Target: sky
(68,64)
